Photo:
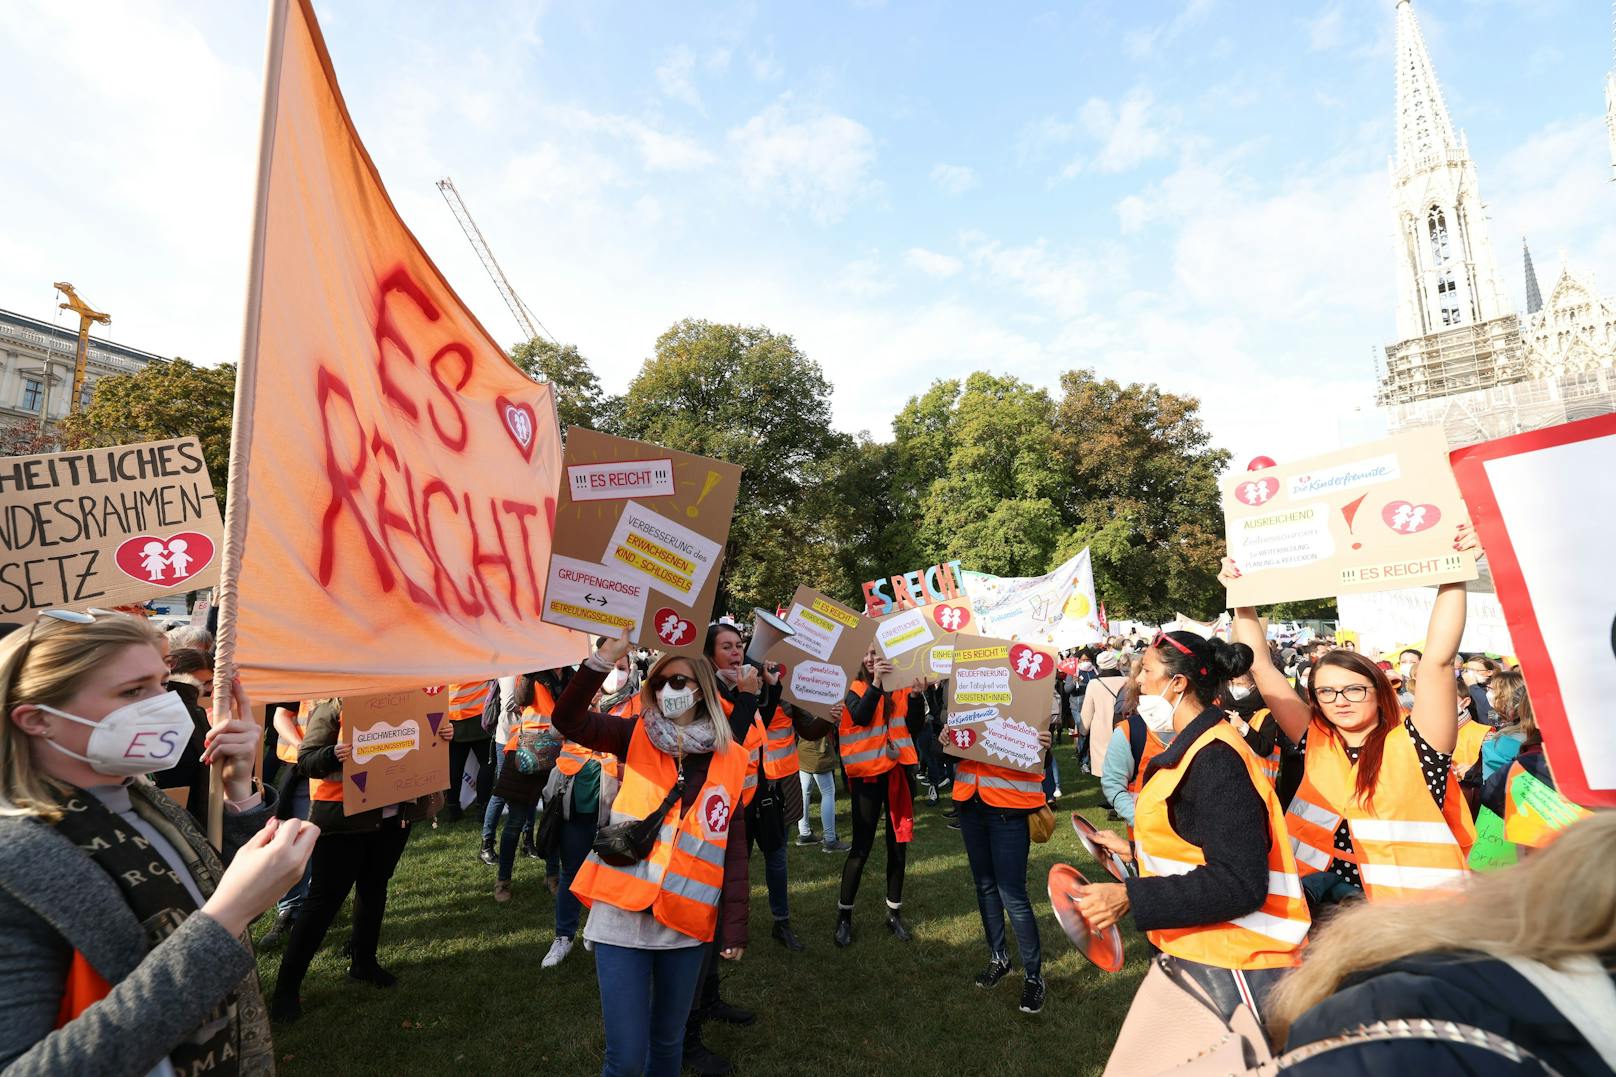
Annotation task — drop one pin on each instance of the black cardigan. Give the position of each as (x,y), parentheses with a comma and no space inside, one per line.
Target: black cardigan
(1215,807)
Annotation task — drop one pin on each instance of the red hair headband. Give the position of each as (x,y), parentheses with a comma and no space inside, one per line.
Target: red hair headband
(1181,648)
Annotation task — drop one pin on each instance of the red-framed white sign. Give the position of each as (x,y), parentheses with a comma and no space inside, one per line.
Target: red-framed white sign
(1542,507)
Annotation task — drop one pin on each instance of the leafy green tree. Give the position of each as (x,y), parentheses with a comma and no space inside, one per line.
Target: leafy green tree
(1140,489)
(163,400)
(580,401)
(749,396)
(993,503)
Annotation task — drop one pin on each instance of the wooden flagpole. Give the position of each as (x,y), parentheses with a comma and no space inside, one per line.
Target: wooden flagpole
(241,430)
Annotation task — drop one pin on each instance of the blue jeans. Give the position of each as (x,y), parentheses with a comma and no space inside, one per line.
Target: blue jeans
(1051,776)
(996,844)
(518,818)
(645,997)
(496,805)
(577,835)
(827,803)
(292,902)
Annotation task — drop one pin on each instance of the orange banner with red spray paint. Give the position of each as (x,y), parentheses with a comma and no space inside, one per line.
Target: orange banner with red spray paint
(392,475)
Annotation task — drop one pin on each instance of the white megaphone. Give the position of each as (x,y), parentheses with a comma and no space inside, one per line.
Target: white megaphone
(767,630)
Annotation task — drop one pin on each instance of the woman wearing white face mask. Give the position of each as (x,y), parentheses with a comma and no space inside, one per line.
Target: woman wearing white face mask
(123,945)
(654,891)
(1217,892)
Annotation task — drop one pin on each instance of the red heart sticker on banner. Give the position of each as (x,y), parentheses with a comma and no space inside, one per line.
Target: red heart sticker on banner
(951,618)
(673,629)
(1030,664)
(1257,491)
(1406,519)
(520,423)
(962,737)
(171,559)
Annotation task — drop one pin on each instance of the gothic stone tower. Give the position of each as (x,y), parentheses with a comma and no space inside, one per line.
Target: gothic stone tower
(1455,331)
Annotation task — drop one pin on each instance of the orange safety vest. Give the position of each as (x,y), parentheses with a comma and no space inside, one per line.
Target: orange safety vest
(533,721)
(329,789)
(469,700)
(756,737)
(1268,764)
(284,751)
(573,757)
(1269,937)
(84,988)
(1403,845)
(780,751)
(999,787)
(872,750)
(1467,750)
(681,882)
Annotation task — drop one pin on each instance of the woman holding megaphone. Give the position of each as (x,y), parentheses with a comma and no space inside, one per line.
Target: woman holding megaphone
(669,855)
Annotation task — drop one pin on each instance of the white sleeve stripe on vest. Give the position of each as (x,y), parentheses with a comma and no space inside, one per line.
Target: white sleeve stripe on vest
(1406,877)
(1312,813)
(992,782)
(1291,932)
(686,887)
(704,851)
(1401,830)
(1160,865)
(1284,884)
(1306,854)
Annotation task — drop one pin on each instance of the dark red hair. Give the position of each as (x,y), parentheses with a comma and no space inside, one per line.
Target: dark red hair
(1388,709)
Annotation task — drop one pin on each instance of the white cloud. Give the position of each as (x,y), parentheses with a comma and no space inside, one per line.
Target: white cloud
(660,151)
(932,263)
(816,161)
(674,76)
(1144,43)
(1061,284)
(765,68)
(864,278)
(954,179)
(1327,30)
(1127,133)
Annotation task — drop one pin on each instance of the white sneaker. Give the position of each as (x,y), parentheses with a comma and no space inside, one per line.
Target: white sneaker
(559,949)
(589,944)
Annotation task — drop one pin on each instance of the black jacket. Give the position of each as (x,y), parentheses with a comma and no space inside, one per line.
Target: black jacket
(1466,988)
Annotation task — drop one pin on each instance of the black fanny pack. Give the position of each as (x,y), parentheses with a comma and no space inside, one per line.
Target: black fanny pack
(631,841)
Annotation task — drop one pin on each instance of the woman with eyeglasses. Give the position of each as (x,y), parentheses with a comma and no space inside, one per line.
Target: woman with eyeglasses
(1217,892)
(1378,814)
(123,940)
(654,890)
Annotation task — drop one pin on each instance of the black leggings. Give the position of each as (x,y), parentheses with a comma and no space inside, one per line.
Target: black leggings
(362,863)
(869,797)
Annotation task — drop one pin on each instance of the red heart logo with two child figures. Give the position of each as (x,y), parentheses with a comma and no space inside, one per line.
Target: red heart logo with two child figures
(1030,664)
(1406,519)
(520,423)
(1257,491)
(962,737)
(171,559)
(673,629)
(951,618)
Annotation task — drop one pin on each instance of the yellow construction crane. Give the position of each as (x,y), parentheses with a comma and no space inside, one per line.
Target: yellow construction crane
(87,314)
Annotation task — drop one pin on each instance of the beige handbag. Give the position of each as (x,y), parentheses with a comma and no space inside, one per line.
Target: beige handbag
(1174,1027)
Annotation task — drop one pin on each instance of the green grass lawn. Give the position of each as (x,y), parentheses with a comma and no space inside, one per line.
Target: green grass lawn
(472,999)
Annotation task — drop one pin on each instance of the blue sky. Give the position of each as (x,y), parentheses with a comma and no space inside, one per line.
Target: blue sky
(1191,192)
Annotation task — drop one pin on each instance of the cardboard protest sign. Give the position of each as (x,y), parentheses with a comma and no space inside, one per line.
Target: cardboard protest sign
(400,744)
(639,540)
(999,701)
(1548,544)
(1057,608)
(917,641)
(1370,518)
(938,583)
(106,527)
(389,518)
(1390,620)
(822,659)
